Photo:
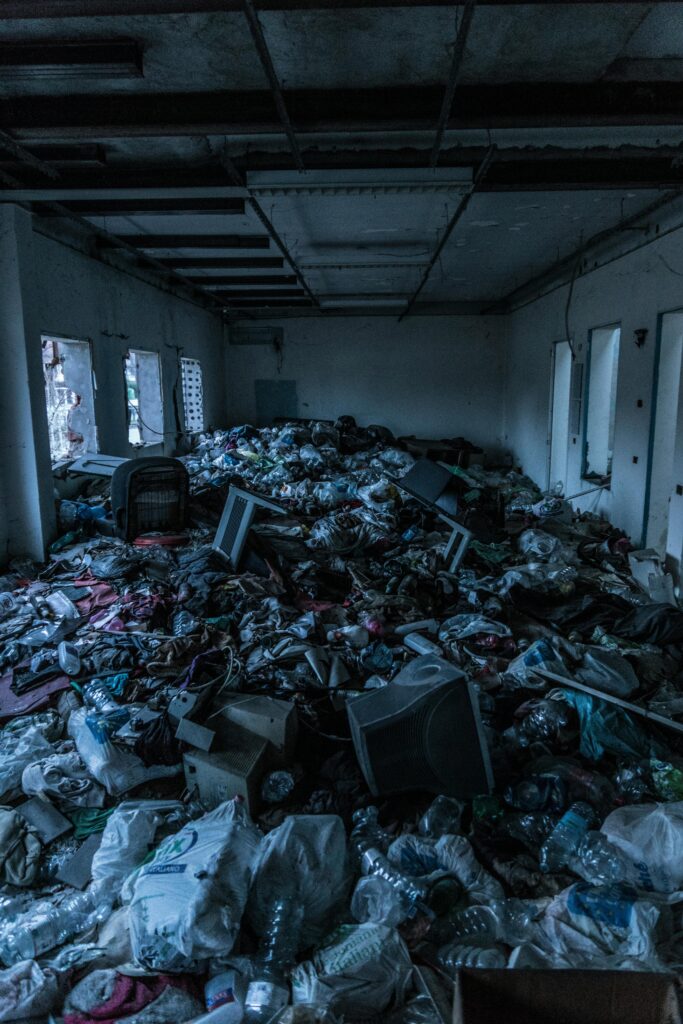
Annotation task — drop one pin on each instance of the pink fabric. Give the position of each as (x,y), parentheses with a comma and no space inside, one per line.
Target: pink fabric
(130,995)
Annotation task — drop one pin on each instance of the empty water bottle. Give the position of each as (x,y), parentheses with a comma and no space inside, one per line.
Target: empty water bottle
(269,991)
(563,841)
(538,793)
(69,658)
(474,926)
(598,861)
(45,926)
(441,818)
(455,956)
(367,832)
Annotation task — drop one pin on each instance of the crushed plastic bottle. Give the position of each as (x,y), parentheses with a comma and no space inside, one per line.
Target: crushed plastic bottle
(44,926)
(441,818)
(369,843)
(563,841)
(598,861)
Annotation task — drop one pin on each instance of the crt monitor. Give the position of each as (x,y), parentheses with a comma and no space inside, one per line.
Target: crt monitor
(422,732)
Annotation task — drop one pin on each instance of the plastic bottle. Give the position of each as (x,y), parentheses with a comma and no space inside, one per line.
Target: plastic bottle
(598,861)
(224,997)
(69,658)
(369,842)
(474,926)
(507,921)
(367,832)
(441,818)
(564,840)
(455,956)
(269,991)
(44,927)
(539,793)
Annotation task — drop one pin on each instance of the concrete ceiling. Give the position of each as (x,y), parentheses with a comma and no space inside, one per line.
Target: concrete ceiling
(584,102)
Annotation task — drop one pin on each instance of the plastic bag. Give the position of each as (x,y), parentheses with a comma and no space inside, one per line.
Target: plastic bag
(304,860)
(651,837)
(27,991)
(607,727)
(364,969)
(23,741)
(116,768)
(128,837)
(455,855)
(540,654)
(597,926)
(608,671)
(187,903)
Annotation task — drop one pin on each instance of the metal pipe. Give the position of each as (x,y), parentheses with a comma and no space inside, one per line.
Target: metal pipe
(460,209)
(454,75)
(261,45)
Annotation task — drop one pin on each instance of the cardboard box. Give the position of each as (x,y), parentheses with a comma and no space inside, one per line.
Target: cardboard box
(565,997)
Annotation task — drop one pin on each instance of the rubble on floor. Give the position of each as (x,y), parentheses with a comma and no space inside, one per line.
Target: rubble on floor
(299,790)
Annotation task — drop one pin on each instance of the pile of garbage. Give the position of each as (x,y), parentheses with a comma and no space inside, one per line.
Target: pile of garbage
(187,830)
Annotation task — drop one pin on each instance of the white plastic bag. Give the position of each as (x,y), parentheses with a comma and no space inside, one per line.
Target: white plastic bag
(363,970)
(23,741)
(187,903)
(651,837)
(304,859)
(128,837)
(27,991)
(117,769)
(597,926)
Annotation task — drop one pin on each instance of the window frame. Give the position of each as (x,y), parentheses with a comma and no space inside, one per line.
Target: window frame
(592,477)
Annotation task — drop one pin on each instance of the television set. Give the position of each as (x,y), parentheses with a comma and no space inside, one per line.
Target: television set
(238,515)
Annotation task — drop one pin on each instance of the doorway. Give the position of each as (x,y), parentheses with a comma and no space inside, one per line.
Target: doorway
(559,421)
(667,396)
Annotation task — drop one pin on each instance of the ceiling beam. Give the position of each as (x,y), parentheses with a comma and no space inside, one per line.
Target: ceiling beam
(527,168)
(258,36)
(240,280)
(141,241)
(29,9)
(453,76)
(223,262)
(96,58)
(404,108)
(269,303)
(259,295)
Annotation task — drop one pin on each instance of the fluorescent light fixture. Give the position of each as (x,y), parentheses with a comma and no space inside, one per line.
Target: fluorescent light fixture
(366,181)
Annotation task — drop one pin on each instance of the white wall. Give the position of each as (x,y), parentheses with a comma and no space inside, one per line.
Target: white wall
(430,376)
(84,298)
(51,288)
(631,291)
